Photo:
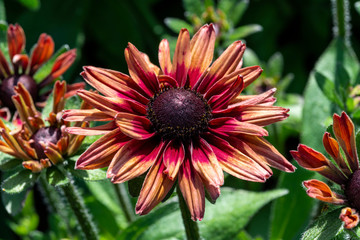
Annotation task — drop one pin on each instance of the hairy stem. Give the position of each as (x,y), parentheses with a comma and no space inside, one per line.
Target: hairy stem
(191,227)
(341,19)
(77,205)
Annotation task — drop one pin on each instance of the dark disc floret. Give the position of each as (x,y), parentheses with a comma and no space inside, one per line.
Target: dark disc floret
(7,89)
(46,135)
(352,190)
(178,113)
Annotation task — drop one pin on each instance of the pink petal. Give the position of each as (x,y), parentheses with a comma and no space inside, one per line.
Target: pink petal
(134,126)
(164,57)
(80,115)
(133,159)
(182,58)
(91,131)
(154,189)
(192,190)
(227,126)
(174,155)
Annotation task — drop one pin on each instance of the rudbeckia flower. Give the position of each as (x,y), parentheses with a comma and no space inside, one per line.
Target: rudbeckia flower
(22,68)
(344,170)
(184,122)
(37,144)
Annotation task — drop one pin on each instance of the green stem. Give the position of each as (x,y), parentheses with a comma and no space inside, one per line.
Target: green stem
(53,200)
(77,205)
(191,227)
(341,19)
(124,201)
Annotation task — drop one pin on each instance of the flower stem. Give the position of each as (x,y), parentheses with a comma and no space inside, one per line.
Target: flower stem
(124,202)
(191,227)
(77,205)
(341,19)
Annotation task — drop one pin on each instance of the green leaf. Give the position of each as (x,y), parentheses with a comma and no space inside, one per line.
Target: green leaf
(2,12)
(325,227)
(176,25)
(13,203)
(275,65)
(9,163)
(328,89)
(89,175)
(55,177)
(244,31)
(19,182)
(250,58)
(135,184)
(223,220)
(238,11)
(48,106)
(31,4)
(194,7)
(357,7)
(73,102)
(45,69)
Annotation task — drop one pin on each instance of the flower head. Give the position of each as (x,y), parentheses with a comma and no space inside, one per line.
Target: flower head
(39,145)
(185,121)
(22,68)
(344,170)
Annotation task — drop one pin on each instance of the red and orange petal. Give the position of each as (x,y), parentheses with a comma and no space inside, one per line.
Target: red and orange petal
(320,190)
(16,40)
(345,134)
(42,52)
(350,217)
(313,160)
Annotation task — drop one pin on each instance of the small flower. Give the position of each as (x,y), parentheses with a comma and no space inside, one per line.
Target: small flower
(39,145)
(184,122)
(22,68)
(344,171)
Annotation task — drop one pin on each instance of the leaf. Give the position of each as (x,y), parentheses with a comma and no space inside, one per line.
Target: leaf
(13,203)
(135,184)
(244,31)
(31,4)
(19,181)
(275,65)
(48,106)
(8,162)
(236,13)
(325,227)
(45,69)
(176,25)
(250,58)
(73,102)
(357,7)
(194,7)
(328,89)
(223,220)
(55,177)
(89,175)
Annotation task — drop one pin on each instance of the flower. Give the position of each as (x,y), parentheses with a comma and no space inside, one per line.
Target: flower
(344,171)
(22,68)
(39,146)
(184,121)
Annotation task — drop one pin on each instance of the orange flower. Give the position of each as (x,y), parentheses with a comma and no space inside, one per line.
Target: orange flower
(38,145)
(22,68)
(345,172)
(185,121)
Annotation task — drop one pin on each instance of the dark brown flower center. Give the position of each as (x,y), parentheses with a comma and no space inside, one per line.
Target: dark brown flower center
(7,89)
(46,135)
(352,190)
(179,113)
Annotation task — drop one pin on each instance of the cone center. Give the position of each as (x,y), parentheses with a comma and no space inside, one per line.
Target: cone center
(179,113)
(46,135)
(7,89)
(352,190)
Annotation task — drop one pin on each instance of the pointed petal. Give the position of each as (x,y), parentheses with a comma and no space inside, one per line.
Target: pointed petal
(235,162)
(42,52)
(133,159)
(137,127)
(20,61)
(225,64)
(16,40)
(192,190)
(79,115)
(62,63)
(345,134)
(173,157)
(167,81)
(202,49)
(164,57)
(313,160)
(100,153)
(261,99)
(205,163)
(91,131)
(320,190)
(113,84)
(230,126)
(182,58)
(154,189)
(140,71)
